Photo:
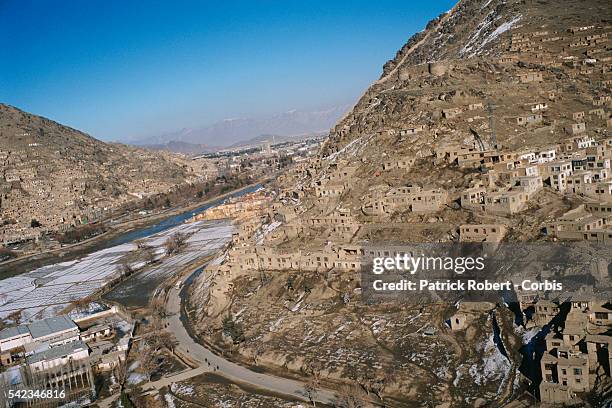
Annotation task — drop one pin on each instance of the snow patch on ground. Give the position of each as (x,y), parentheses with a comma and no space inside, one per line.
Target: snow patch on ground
(473,47)
(500,30)
(182,389)
(136,378)
(495,367)
(169,401)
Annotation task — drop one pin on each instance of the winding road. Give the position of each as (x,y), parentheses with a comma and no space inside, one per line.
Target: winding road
(211,362)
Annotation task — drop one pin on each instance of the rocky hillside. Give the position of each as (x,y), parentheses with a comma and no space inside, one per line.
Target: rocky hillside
(473,133)
(61,177)
(475,53)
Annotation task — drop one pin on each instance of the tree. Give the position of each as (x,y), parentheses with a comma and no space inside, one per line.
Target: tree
(233,329)
(351,397)
(125,269)
(148,255)
(175,243)
(120,372)
(81,304)
(158,307)
(166,340)
(147,358)
(311,390)
(35,223)
(15,317)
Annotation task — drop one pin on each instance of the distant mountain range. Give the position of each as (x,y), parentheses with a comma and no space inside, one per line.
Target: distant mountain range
(245,131)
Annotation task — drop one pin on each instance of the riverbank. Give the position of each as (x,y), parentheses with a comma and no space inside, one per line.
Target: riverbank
(117,234)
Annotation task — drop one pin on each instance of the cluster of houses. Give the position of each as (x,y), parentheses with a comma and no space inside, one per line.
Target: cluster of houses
(58,198)
(243,207)
(63,352)
(577,353)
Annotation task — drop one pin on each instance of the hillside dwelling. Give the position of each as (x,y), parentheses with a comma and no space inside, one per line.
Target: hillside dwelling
(506,202)
(576,182)
(580,29)
(600,167)
(473,198)
(530,185)
(584,142)
(404,163)
(412,130)
(601,191)
(429,201)
(475,158)
(601,100)
(544,312)
(559,171)
(475,106)
(575,128)
(529,157)
(529,77)
(482,232)
(508,59)
(552,96)
(602,209)
(578,115)
(538,107)
(565,368)
(505,176)
(575,225)
(579,164)
(601,315)
(342,173)
(528,171)
(460,321)
(545,155)
(599,112)
(329,190)
(525,120)
(451,113)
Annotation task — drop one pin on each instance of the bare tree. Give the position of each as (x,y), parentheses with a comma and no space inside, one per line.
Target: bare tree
(148,359)
(351,397)
(125,269)
(148,255)
(311,391)
(15,317)
(80,305)
(120,372)
(158,307)
(167,340)
(175,243)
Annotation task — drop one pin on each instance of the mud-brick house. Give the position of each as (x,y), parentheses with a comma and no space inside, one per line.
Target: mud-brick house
(506,202)
(529,77)
(482,232)
(575,128)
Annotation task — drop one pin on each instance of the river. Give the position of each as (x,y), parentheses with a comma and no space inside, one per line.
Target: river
(44,291)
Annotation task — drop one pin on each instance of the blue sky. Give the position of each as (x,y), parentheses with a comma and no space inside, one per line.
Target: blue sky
(125,69)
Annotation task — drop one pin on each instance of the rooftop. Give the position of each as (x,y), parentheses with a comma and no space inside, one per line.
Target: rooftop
(40,328)
(58,352)
(13,332)
(51,325)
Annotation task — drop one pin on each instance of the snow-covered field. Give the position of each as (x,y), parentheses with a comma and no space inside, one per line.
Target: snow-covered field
(48,290)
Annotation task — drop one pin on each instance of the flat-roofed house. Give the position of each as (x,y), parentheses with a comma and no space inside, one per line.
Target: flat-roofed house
(12,340)
(51,331)
(58,356)
(481,232)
